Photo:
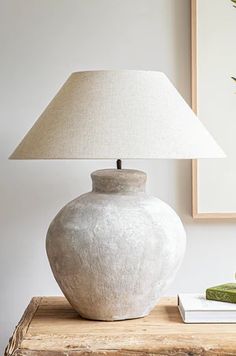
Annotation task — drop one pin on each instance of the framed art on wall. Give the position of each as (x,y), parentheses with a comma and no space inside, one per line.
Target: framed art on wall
(214,100)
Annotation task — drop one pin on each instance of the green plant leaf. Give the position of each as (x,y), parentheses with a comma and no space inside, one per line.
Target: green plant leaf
(234,2)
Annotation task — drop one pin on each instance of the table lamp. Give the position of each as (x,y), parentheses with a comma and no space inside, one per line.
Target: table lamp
(114,250)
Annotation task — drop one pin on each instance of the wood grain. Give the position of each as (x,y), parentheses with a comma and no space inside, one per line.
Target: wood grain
(22,327)
(51,327)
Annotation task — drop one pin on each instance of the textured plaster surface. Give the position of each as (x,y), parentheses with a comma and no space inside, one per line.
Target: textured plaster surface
(114,250)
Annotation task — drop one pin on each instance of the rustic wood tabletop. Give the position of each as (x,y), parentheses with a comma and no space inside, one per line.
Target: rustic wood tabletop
(51,327)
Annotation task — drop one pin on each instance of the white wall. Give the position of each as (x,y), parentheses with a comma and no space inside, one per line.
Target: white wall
(42,42)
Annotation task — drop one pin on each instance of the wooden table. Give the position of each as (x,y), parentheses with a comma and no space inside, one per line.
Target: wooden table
(51,327)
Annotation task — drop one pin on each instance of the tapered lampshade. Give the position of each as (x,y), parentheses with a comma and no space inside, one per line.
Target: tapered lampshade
(117,114)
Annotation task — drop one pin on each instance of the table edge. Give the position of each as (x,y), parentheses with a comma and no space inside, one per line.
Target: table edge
(22,327)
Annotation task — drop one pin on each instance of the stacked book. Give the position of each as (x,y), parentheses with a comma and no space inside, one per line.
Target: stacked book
(196,308)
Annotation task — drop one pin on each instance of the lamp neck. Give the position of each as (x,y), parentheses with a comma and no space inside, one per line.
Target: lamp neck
(121,181)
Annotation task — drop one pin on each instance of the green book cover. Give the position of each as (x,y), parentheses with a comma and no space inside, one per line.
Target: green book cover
(222,293)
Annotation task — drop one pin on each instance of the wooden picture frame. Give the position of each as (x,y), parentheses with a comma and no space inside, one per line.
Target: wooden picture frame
(196,213)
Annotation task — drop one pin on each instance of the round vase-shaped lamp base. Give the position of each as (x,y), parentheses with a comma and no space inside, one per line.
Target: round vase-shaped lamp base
(113,251)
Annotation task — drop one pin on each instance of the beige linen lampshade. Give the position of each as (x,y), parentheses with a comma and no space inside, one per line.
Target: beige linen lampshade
(117,114)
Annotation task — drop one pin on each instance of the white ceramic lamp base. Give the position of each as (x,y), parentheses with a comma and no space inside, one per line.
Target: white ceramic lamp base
(114,250)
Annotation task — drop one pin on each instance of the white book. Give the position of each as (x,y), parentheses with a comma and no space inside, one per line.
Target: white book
(195,308)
